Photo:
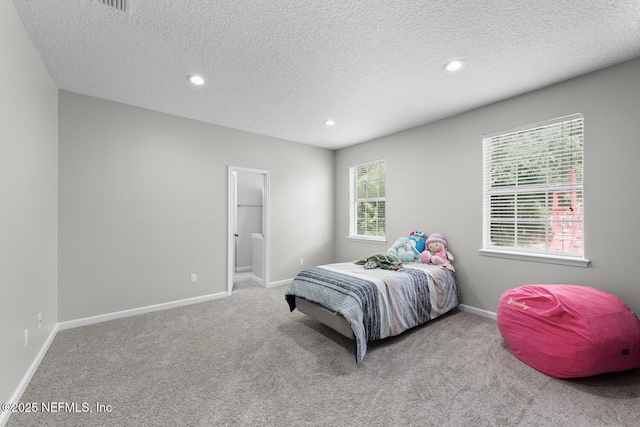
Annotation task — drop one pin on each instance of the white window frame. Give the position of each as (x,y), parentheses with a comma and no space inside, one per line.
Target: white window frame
(354,200)
(521,188)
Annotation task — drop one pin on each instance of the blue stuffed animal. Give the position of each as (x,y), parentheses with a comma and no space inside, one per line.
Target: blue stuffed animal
(420,239)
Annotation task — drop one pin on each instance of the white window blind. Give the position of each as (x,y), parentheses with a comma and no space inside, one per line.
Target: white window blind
(367,193)
(533,189)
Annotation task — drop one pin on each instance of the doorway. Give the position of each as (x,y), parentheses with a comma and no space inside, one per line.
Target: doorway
(248,228)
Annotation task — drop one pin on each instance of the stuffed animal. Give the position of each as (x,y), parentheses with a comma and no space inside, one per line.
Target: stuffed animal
(384,261)
(419,238)
(436,252)
(405,250)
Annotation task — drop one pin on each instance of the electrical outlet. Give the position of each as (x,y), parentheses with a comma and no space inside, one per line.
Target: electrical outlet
(39,320)
(194,277)
(25,338)
(301,261)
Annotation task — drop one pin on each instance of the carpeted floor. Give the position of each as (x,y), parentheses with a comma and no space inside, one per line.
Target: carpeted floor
(243,280)
(246,360)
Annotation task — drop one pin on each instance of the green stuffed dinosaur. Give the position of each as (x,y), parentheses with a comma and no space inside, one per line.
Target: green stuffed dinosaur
(384,261)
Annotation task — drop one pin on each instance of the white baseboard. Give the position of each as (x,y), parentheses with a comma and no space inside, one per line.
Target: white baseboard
(478,311)
(22,386)
(279,283)
(256,279)
(246,268)
(135,311)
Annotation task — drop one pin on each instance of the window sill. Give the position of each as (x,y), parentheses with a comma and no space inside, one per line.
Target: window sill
(550,259)
(376,240)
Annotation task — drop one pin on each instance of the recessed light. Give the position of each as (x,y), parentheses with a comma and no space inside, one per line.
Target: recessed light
(329,122)
(196,80)
(454,65)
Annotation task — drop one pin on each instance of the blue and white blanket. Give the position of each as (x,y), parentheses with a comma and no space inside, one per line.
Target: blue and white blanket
(378,303)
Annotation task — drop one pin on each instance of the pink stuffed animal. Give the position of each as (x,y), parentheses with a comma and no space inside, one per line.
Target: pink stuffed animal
(436,251)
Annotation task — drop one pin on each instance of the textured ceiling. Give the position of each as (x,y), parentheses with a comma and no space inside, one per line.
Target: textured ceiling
(283,67)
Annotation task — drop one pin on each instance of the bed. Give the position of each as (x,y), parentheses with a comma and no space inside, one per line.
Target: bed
(372,304)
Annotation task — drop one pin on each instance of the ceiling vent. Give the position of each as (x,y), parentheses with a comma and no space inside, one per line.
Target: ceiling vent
(119,5)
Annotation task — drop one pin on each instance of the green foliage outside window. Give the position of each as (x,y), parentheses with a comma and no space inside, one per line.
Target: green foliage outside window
(369,200)
(534,188)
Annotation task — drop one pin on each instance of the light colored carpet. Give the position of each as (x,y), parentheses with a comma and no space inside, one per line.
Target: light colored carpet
(246,360)
(243,280)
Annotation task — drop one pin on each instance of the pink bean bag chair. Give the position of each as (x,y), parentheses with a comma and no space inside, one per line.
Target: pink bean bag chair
(569,331)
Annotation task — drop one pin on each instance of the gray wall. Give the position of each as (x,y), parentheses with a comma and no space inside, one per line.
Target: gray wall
(143,203)
(28,186)
(434,178)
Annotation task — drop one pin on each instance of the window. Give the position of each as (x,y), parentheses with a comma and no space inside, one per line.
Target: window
(533,192)
(367,201)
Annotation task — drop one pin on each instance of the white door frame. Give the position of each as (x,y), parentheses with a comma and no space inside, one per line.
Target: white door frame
(232,205)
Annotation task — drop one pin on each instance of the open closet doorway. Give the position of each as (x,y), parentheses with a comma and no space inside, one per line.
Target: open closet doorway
(248,229)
